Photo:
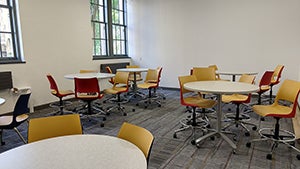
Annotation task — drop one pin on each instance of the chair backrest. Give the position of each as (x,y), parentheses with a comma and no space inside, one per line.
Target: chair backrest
(21,106)
(266,78)
(183,80)
(121,78)
(53,126)
(277,74)
(87,71)
(108,70)
(86,87)
(53,85)
(247,78)
(215,67)
(204,73)
(289,91)
(137,135)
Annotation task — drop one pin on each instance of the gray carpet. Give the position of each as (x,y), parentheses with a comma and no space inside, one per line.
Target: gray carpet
(168,152)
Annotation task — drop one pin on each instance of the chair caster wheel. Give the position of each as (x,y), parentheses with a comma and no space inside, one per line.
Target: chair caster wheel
(233,151)
(124,114)
(137,104)
(208,126)
(174,135)
(159,105)
(248,144)
(104,102)
(2,143)
(254,128)
(102,125)
(164,98)
(104,118)
(107,114)
(269,156)
(247,134)
(262,119)
(193,142)
(212,138)
(298,156)
(133,110)
(146,107)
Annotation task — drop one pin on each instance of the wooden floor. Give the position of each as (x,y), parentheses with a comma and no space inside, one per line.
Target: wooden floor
(171,153)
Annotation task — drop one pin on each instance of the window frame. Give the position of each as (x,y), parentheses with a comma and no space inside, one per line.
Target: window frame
(108,21)
(12,6)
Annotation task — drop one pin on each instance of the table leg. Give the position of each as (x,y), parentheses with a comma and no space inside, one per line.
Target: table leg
(219,126)
(134,83)
(233,78)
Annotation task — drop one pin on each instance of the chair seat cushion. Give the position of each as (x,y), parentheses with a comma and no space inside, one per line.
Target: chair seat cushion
(7,120)
(274,110)
(147,85)
(116,90)
(198,102)
(234,98)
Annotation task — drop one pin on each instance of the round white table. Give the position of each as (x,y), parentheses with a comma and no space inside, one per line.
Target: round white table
(234,74)
(220,87)
(75,152)
(90,75)
(2,100)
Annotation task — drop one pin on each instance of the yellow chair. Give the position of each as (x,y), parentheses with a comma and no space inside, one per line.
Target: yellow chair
(204,73)
(284,106)
(275,79)
(139,136)
(151,82)
(18,116)
(87,71)
(53,126)
(215,67)
(193,101)
(237,118)
(120,86)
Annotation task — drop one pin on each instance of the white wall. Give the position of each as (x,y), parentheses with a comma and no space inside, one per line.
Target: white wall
(57,39)
(248,35)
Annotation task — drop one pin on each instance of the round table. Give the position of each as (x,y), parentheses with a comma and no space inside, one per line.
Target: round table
(75,152)
(2,100)
(220,87)
(90,75)
(234,74)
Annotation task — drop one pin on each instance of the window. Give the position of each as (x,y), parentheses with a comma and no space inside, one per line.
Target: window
(10,48)
(109,28)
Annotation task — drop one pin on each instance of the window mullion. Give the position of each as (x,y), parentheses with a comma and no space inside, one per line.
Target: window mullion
(110,30)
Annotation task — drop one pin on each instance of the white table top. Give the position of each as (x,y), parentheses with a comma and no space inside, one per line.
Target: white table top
(133,70)
(90,75)
(75,152)
(235,73)
(221,87)
(2,100)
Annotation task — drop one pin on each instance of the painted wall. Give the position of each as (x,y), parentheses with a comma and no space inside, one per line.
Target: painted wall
(248,35)
(57,39)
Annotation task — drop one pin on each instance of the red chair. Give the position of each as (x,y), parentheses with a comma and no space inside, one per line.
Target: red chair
(275,79)
(87,89)
(58,93)
(264,84)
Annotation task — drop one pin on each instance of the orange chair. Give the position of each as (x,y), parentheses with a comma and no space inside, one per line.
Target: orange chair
(120,86)
(186,99)
(275,79)
(264,84)
(151,83)
(88,90)
(284,106)
(238,99)
(58,93)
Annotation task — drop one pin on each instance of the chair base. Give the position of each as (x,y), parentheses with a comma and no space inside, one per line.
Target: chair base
(61,107)
(284,137)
